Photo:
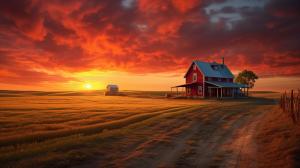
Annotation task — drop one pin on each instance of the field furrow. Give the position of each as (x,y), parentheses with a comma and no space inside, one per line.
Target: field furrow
(97,131)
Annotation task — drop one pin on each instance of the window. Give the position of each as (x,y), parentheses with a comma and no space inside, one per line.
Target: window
(219,79)
(194,77)
(199,90)
(215,67)
(194,67)
(209,79)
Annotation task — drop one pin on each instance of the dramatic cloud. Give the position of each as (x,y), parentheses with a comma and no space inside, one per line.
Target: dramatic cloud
(40,38)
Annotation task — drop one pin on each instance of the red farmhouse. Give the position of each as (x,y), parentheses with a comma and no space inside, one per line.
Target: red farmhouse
(204,79)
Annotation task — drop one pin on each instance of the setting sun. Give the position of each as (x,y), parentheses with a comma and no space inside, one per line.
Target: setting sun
(88,86)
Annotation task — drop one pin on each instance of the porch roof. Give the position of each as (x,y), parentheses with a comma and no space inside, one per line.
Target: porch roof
(188,84)
(226,84)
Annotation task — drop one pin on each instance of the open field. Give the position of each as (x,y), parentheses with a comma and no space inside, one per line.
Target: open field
(70,129)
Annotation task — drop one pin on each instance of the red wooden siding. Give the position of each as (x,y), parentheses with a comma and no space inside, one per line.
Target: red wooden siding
(193,90)
(189,76)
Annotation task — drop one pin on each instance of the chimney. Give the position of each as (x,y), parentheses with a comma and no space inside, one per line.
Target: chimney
(223,60)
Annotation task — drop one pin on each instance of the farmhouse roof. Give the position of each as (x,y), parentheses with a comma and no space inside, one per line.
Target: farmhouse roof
(188,84)
(226,84)
(213,69)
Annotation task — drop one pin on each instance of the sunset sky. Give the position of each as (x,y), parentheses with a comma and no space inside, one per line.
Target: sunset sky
(145,44)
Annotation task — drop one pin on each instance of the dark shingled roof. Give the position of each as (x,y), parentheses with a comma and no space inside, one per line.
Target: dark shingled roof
(213,69)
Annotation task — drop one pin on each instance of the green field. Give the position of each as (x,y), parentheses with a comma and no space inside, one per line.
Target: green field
(142,129)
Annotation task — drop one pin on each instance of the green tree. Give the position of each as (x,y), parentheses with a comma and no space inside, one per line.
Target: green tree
(247,78)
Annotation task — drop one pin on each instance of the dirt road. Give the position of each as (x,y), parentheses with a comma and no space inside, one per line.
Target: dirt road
(215,135)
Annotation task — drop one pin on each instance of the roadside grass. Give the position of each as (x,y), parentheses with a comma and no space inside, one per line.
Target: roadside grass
(278,141)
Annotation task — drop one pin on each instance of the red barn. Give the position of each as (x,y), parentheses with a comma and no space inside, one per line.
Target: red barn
(205,79)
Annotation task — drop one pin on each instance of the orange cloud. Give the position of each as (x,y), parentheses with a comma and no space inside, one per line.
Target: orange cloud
(184,6)
(144,37)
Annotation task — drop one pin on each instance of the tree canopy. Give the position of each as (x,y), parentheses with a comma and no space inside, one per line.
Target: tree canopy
(246,77)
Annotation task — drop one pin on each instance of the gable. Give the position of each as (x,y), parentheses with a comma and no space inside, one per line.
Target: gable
(191,69)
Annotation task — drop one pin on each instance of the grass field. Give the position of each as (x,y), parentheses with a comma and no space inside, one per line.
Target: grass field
(87,129)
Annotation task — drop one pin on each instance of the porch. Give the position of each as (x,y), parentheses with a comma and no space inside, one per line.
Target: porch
(224,89)
(182,90)
(211,89)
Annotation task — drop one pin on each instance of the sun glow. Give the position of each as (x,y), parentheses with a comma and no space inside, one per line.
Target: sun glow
(88,86)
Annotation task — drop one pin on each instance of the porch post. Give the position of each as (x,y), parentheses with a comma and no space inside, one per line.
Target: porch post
(203,91)
(217,92)
(232,92)
(221,93)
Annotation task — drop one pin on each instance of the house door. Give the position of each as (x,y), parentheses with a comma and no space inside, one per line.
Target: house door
(200,91)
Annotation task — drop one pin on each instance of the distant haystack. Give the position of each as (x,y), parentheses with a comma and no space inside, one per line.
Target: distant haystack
(112,90)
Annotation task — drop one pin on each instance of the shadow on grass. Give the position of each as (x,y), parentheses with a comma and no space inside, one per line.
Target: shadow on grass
(249,100)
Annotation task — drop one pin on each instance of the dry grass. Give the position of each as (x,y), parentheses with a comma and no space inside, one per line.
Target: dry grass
(41,126)
(67,129)
(290,104)
(278,141)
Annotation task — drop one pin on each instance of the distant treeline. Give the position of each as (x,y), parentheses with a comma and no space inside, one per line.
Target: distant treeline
(290,104)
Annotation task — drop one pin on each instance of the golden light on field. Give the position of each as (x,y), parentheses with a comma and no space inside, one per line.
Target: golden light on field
(88,86)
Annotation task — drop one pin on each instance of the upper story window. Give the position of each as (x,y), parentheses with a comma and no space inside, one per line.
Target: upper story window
(220,79)
(228,80)
(215,67)
(194,67)
(194,77)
